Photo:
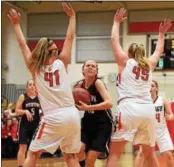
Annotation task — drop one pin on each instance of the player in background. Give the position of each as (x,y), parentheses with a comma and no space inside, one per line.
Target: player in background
(135,107)
(163,112)
(60,124)
(28,107)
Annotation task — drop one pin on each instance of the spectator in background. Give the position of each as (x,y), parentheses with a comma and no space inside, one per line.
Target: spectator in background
(14,134)
(8,138)
(3,138)
(9,130)
(14,129)
(10,110)
(2,117)
(4,102)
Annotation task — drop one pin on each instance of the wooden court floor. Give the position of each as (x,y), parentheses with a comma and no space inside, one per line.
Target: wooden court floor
(127,160)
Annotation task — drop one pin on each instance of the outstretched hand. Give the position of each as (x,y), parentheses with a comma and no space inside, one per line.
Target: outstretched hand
(14,16)
(120,15)
(68,9)
(165,26)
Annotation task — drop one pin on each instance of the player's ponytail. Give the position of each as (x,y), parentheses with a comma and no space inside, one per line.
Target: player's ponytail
(138,53)
(39,54)
(156,84)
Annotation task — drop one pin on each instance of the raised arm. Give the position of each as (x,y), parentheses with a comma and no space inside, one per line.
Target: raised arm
(15,21)
(119,54)
(65,55)
(163,28)
(168,111)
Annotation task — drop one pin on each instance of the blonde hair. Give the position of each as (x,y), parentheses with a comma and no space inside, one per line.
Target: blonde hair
(157,86)
(39,54)
(29,81)
(138,53)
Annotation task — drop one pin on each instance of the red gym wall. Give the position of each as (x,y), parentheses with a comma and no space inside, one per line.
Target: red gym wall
(148,21)
(170,124)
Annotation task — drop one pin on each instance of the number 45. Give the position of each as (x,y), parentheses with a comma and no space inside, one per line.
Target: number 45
(141,73)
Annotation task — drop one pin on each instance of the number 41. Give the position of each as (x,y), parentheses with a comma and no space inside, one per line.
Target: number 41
(48,76)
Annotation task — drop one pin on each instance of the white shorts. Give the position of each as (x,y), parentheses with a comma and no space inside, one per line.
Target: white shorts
(59,128)
(163,139)
(136,123)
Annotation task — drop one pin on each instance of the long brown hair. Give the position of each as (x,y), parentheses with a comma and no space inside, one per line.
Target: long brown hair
(137,52)
(40,53)
(156,84)
(29,81)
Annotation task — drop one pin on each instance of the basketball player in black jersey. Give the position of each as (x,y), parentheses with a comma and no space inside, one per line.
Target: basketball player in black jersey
(97,121)
(28,107)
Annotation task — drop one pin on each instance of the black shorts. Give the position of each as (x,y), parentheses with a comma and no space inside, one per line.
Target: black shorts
(25,135)
(96,138)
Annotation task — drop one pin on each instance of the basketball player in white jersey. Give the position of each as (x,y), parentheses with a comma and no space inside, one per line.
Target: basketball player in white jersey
(60,125)
(135,107)
(163,112)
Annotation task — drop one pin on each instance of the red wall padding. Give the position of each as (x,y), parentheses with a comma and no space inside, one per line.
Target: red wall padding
(170,124)
(32,44)
(146,27)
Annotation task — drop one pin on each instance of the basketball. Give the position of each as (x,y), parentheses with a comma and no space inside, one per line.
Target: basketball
(81,94)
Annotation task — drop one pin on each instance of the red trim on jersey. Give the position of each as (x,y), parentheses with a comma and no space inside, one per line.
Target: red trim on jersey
(119,78)
(40,132)
(119,122)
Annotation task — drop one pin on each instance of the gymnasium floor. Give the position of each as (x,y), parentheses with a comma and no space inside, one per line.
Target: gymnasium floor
(127,160)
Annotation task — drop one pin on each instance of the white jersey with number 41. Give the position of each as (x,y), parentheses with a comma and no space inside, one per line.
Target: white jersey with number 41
(54,88)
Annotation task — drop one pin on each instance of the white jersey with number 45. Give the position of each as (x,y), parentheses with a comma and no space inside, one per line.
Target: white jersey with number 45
(54,88)
(134,83)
